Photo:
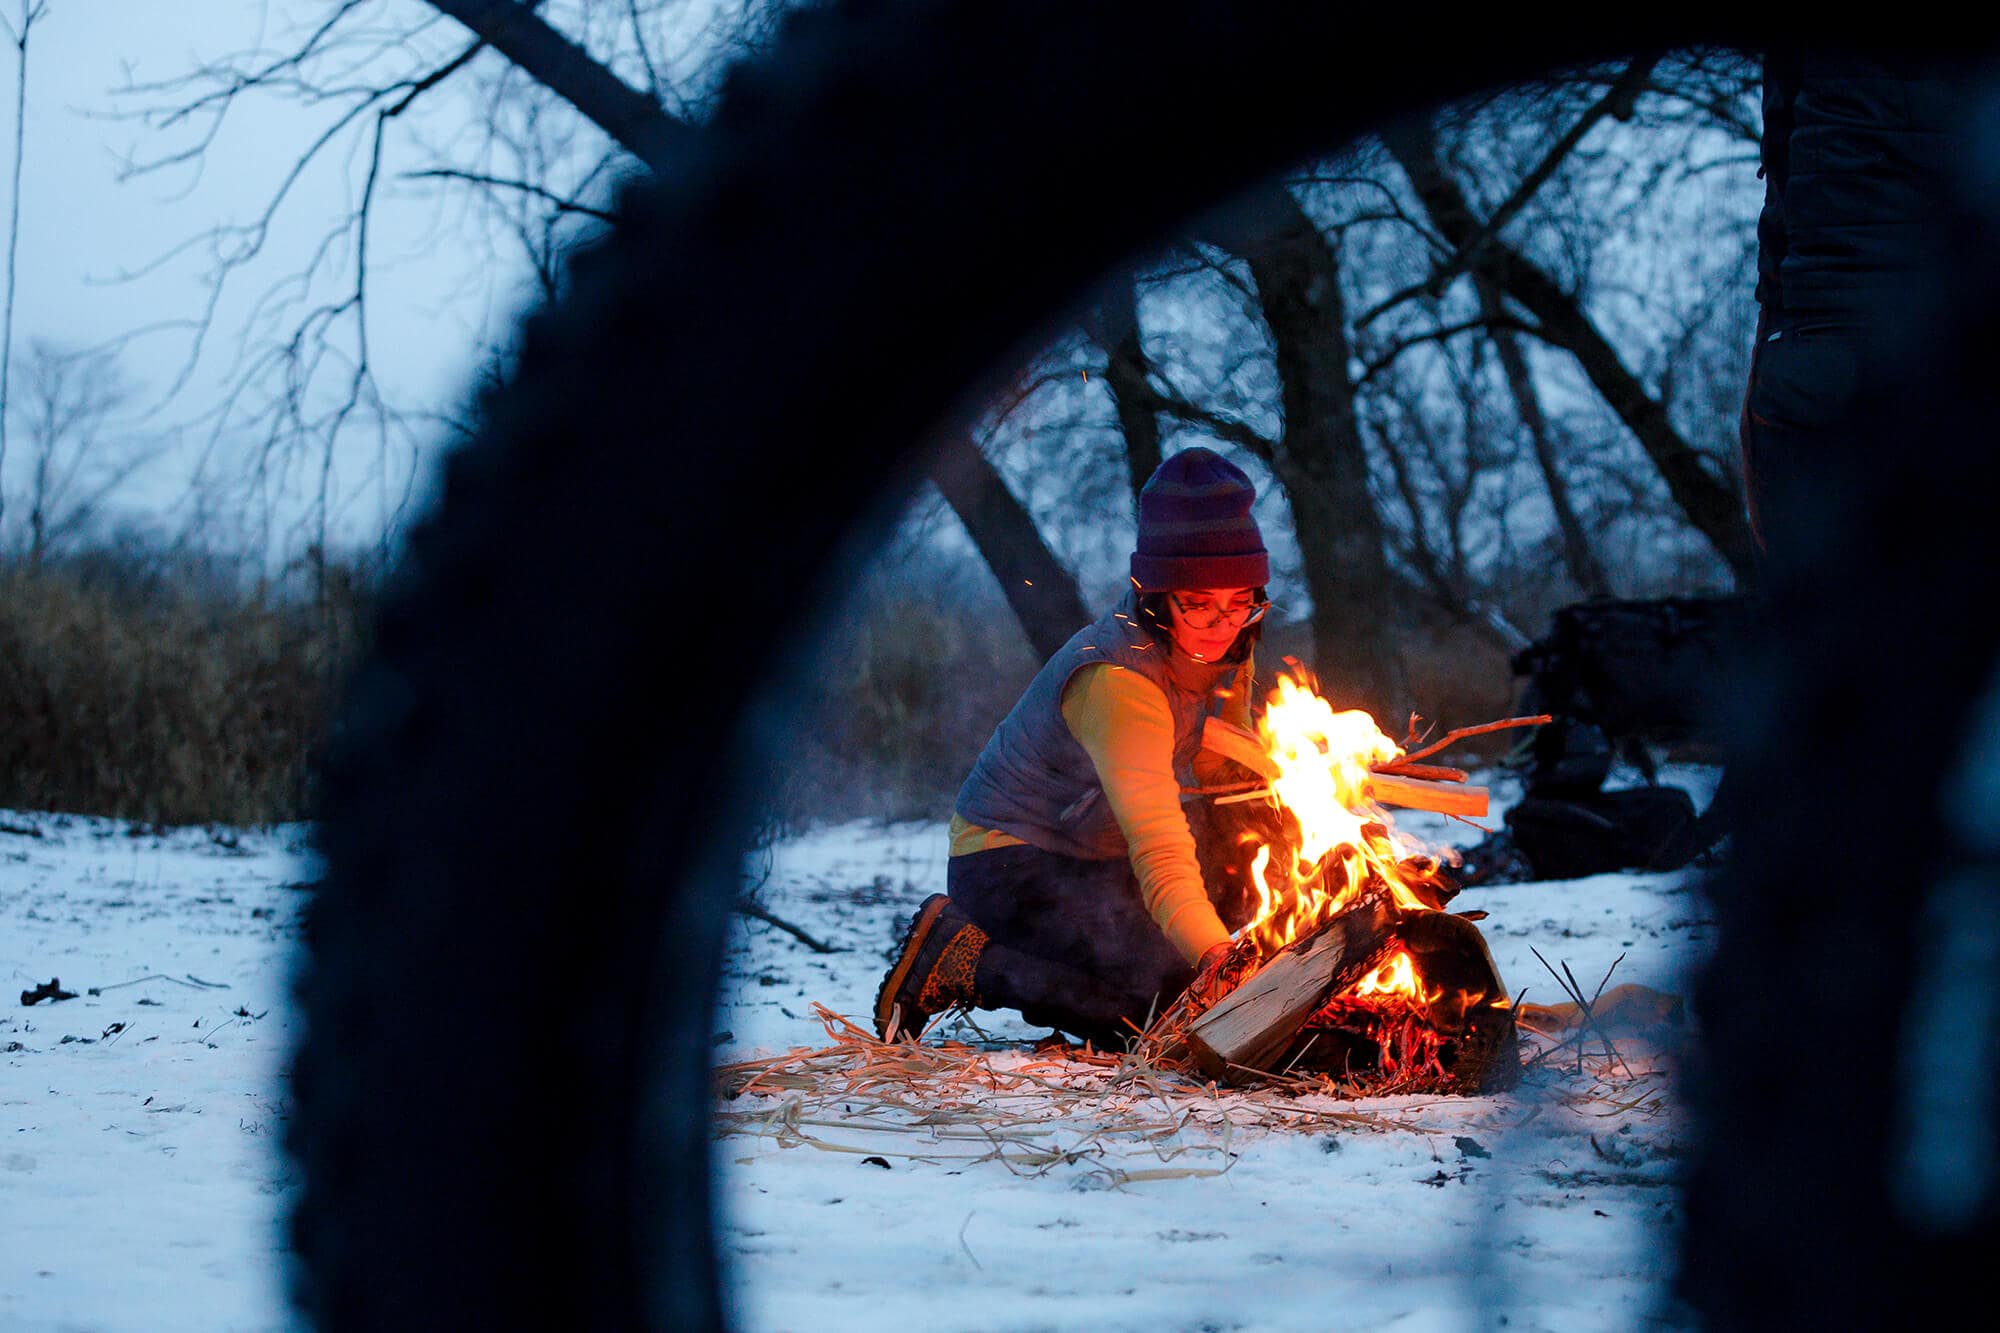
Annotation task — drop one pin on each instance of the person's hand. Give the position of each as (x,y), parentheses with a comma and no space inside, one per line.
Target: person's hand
(1211,981)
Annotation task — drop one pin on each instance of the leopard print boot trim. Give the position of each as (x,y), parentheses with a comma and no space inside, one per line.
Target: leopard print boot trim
(950,979)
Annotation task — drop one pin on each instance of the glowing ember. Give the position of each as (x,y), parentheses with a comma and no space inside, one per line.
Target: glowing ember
(1345,840)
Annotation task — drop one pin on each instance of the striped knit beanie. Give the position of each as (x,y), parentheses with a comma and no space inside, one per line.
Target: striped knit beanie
(1195,529)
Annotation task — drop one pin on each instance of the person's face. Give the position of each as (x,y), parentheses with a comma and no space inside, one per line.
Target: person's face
(1205,621)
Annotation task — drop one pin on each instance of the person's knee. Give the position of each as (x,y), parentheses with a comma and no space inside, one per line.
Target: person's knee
(1151,990)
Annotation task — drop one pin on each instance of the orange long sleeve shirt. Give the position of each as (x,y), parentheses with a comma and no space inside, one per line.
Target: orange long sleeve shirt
(1125,725)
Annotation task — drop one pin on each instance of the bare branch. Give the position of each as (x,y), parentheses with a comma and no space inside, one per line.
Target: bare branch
(1710,503)
(560,203)
(1444,333)
(421,86)
(654,86)
(628,116)
(1616,101)
(1174,404)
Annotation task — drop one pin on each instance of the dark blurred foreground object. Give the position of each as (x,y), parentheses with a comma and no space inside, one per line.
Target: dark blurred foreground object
(1860,248)
(1618,676)
(520,790)
(1846,1086)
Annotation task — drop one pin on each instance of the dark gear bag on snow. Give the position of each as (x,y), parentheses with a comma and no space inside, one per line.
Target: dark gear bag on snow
(1645,828)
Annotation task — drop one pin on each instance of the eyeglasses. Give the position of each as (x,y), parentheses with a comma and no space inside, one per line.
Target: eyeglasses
(1207,615)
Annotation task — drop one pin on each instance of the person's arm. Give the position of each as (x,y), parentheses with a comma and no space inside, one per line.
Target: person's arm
(1125,725)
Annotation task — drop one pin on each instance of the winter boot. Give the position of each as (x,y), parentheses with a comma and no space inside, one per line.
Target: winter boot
(933,971)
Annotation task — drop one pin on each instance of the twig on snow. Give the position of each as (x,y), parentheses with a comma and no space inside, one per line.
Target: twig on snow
(967,1248)
(1588,1021)
(750,909)
(191,981)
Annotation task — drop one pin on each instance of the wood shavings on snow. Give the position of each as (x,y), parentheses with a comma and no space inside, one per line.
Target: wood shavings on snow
(1030,1111)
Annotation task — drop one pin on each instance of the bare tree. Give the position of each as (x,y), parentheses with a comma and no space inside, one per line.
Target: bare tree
(1319,457)
(68,405)
(630,70)
(1443,357)
(1710,498)
(400,101)
(1578,556)
(1298,381)
(19,30)
(1041,592)
(1114,324)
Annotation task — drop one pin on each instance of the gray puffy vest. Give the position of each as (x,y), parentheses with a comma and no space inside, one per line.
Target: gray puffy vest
(1035,780)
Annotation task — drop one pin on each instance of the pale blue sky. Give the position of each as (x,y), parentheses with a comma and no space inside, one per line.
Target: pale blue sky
(439,295)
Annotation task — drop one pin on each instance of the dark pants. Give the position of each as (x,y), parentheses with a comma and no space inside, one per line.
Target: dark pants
(1804,376)
(1070,942)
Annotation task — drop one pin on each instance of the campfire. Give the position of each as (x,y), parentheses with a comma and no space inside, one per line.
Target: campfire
(1350,966)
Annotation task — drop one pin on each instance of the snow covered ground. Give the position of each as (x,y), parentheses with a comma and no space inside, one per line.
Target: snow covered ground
(142,1187)
(141,1181)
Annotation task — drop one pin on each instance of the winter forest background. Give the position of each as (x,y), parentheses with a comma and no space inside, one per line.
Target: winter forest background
(1480,366)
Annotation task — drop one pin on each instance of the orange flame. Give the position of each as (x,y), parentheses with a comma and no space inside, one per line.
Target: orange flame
(1398,976)
(1345,839)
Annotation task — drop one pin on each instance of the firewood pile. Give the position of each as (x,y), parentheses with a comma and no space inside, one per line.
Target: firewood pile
(1347,964)
(1380,998)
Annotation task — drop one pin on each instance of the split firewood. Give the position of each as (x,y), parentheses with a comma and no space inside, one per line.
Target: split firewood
(1249,1027)
(1233,742)
(1446,798)
(1399,782)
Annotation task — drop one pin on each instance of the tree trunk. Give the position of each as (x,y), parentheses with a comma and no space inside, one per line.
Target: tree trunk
(28,17)
(1319,458)
(1712,506)
(1116,328)
(1042,593)
(1582,561)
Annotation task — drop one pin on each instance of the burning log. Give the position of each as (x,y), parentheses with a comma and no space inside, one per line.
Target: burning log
(1363,974)
(1252,1025)
(1452,1031)
(1233,742)
(1312,1008)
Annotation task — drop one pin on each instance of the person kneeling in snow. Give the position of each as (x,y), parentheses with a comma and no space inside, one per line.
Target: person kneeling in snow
(1075,894)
